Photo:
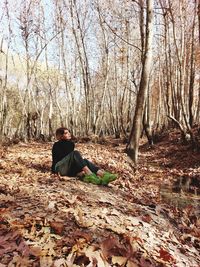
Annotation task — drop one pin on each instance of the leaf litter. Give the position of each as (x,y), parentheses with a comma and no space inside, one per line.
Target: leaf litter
(47,221)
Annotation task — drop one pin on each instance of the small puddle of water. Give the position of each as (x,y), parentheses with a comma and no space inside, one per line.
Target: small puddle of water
(183,193)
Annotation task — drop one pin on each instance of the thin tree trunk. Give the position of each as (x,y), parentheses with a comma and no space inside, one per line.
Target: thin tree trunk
(133,146)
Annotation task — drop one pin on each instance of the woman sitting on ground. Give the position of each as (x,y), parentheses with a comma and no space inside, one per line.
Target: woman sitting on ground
(68,162)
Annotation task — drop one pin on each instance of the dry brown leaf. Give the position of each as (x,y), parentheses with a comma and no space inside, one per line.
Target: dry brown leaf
(111,246)
(36,251)
(131,264)
(119,260)
(81,234)
(46,261)
(70,259)
(51,205)
(72,200)
(146,218)
(95,257)
(166,256)
(60,263)
(57,227)
(115,228)
(6,198)
(19,261)
(81,221)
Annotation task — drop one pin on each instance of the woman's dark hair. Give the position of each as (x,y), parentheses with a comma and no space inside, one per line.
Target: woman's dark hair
(60,131)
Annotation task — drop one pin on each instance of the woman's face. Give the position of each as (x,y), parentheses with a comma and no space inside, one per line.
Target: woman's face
(66,135)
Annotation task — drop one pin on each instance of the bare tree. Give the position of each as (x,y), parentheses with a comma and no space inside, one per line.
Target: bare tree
(133,145)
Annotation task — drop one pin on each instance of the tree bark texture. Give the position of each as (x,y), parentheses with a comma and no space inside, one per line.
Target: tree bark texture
(133,145)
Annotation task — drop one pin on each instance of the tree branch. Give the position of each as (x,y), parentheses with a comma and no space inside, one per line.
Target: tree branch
(121,38)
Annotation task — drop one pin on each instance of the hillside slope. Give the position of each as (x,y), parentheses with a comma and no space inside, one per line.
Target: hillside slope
(46,221)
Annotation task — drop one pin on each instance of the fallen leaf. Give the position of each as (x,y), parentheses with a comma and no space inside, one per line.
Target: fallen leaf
(81,220)
(57,227)
(119,260)
(95,257)
(166,256)
(59,263)
(111,246)
(146,218)
(46,261)
(131,264)
(51,205)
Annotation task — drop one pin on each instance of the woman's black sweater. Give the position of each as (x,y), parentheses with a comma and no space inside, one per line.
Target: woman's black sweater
(60,150)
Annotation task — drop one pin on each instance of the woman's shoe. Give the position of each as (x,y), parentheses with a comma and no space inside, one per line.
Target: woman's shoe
(92,178)
(108,178)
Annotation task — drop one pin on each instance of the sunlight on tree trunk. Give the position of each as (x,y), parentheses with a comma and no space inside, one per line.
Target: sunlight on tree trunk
(133,146)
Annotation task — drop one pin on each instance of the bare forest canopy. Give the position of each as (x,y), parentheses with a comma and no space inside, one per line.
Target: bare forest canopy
(79,64)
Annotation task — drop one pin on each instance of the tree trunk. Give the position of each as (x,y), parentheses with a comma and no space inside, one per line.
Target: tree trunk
(133,145)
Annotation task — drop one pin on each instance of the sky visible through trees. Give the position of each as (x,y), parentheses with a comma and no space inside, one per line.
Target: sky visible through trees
(78,63)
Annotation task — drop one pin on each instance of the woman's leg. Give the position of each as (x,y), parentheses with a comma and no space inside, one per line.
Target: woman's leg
(79,164)
(93,168)
(71,164)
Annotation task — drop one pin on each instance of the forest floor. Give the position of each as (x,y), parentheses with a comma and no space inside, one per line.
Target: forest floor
(138,220)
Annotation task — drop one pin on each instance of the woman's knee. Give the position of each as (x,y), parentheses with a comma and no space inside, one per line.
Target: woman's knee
(76,152)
